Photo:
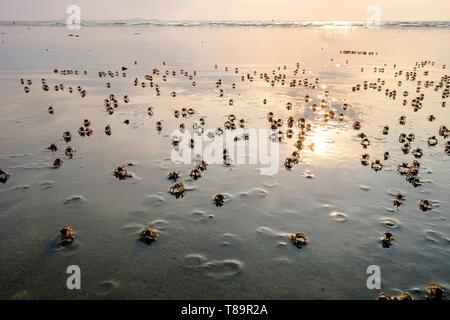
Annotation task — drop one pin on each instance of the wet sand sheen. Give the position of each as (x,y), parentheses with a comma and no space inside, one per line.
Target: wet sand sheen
(199,242)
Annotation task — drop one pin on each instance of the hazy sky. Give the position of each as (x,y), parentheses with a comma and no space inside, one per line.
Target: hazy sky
(226,9)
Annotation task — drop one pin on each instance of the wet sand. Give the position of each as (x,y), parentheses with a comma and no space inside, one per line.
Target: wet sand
(241,250)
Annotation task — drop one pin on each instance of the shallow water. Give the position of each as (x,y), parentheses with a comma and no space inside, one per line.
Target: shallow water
(242,249)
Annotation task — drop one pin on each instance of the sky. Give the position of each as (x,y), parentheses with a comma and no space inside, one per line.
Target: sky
(341,10)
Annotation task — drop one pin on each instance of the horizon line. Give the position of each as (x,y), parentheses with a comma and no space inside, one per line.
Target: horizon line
(216,20)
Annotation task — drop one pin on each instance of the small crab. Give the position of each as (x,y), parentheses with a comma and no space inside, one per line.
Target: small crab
(289,163)
(289,133)
(356,125)
(158,126)
(108,131)
(82,131)
(432,141)
(202,166)
(365,143)
(417,153)
(406,147)
(53,147)
(414,180)
(365,159)
(444,132)
(398,199)
(66,236)
(376,165)
(173,175)
(219,131)
(58,163)
(386,239)
(67,136)
(299,239)
(425,205)
(195,174)
(219,199)
(69,152)
(178,190)
(435,292)
(386,297)
(405,296)
(148,235)
(122,173)
(176,141)
(403,168)
(4,176)
(227,161)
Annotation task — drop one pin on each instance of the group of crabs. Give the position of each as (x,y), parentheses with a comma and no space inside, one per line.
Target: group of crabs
(298,239)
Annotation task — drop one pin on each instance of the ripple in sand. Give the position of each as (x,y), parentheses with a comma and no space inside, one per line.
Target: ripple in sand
(283,260)
(389,222)
(74,199)
(194,260)
(255,191)
(229,238)
(131,163)
(46,184)
(106,287)
(220,269)
(158,224)
(133,227)
(339,216)
(21,187)
(270,184)
(266,231)
(365,188)
(425,191)
(18,155)
(109,284)
(308,175)
(190,187)
(154,200)
(394,191)
(435,203)
(199,215)
(437,237)
(217,269)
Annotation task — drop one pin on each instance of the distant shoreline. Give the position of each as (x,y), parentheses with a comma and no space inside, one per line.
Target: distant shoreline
(266,24)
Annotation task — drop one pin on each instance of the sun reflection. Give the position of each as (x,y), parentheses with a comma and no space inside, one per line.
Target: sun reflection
(321,141)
